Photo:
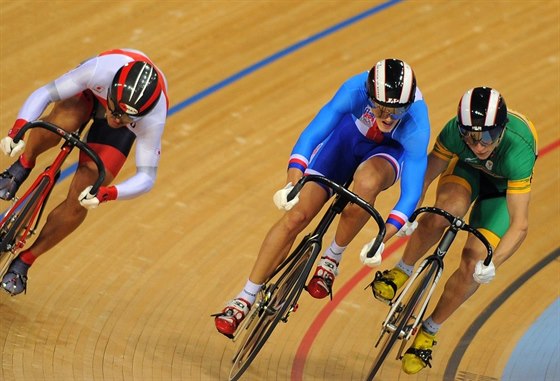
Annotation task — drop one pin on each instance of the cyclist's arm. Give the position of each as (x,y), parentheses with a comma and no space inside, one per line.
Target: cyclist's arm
(294,174)
(64,87)
(348,97)
(147,155)
(412,178)
(317,131)
(518,208)
(414,136)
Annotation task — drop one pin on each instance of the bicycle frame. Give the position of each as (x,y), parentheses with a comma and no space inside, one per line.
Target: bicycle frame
(398,321)
(281,291)
(43,184)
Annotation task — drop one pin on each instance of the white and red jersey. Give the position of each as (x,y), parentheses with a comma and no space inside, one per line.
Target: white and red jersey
(96,74)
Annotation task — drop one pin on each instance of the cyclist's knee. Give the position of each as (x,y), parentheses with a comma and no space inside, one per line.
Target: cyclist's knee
(453,198)
(368,187)
(86,174)
(432,222)
(469,257)
(296,220)
(354,212)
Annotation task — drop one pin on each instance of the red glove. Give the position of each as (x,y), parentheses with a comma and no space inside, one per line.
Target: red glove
(104,194)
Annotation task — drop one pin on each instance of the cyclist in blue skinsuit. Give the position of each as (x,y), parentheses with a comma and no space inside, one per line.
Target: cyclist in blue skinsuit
(374,130)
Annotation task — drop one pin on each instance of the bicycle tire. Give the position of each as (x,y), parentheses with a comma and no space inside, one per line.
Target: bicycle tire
(13,228)
(402,319)
(282,296)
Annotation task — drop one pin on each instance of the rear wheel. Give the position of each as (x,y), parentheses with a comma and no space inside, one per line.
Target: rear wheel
(274,304)
(401,322)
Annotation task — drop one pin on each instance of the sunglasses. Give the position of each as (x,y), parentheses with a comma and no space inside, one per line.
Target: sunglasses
(118,114)
(396,113)
(485,138)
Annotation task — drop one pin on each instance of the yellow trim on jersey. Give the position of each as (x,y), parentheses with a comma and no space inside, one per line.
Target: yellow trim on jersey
(519,186)
(449,177)
(491,237)
(531,128)
(445,179)
(441,152)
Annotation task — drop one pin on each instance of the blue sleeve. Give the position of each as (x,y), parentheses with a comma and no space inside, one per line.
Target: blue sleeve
(348,97)
(414,138)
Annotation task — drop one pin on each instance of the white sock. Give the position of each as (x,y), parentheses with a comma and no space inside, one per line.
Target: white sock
(405,268)
(335,252)
(250,292)
(430,326)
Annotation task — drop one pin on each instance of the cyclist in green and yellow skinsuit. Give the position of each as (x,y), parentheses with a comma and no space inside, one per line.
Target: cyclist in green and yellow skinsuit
(485,156)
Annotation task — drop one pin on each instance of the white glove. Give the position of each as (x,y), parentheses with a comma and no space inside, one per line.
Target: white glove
(407,229)
(484,274)
(10,148)
(281,198)
(88,200)
(376,259)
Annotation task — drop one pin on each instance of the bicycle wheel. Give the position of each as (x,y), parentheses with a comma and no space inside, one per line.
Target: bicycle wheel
(400,323)
(273,304)
(15,226)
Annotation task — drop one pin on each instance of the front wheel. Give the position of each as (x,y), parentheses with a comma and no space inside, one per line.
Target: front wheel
(410,309)
(273,304)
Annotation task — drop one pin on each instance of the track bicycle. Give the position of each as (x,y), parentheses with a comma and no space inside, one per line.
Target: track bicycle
(408,309)
(279,296)
(22,219)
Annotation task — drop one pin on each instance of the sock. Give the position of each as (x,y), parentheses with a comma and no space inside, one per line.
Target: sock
(250,291)
(27,257)
(335,252)
(430,326)
(25,163)
(405,268)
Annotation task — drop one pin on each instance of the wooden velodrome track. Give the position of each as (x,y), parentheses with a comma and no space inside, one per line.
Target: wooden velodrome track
(129,295)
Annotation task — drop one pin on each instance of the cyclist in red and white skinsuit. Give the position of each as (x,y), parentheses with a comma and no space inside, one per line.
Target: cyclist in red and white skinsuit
(125,96)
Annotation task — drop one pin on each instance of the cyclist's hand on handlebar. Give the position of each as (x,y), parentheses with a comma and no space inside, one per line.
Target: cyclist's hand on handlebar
(280,198)
(10,148)
(376,259)
(484,274)
(104,194)
(407,229)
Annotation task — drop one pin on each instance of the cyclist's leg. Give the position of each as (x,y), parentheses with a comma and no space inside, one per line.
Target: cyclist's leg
(281,236)
(274,249)
(371,178)
(490,216)
(455,192)
(460,286)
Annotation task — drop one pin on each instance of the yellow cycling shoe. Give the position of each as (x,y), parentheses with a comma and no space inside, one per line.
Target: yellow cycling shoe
(386,284)
(419,354)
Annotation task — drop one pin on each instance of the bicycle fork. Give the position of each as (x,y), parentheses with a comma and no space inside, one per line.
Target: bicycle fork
(391,322)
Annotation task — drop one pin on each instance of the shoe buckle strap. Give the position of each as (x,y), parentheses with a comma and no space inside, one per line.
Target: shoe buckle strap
(423,354)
